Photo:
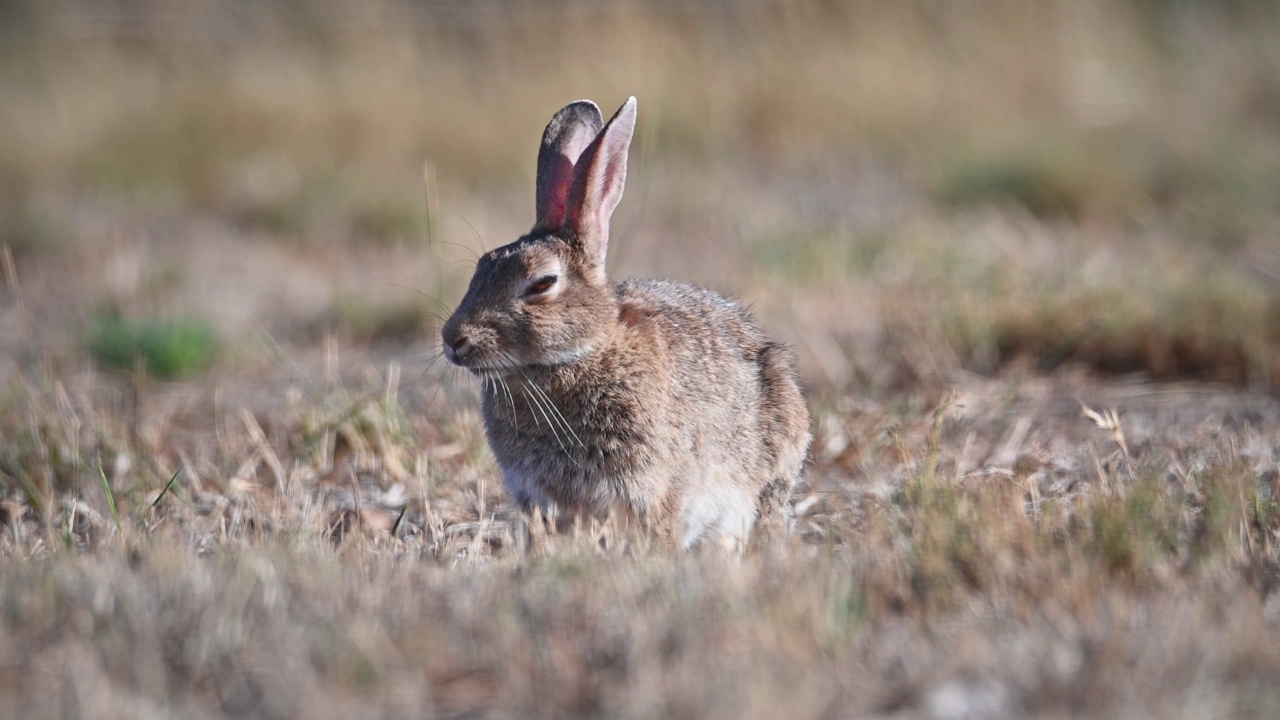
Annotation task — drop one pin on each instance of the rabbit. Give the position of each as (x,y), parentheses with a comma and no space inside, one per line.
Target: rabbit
(656,400)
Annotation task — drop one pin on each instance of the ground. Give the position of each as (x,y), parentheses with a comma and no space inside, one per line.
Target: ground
(1027,257)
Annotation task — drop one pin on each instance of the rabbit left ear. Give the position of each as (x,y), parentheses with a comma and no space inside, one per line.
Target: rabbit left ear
(598,179)
(570,131)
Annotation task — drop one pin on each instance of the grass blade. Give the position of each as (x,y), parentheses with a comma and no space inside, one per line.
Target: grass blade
(68,524)
(111,498)
(156,503)
(395,529)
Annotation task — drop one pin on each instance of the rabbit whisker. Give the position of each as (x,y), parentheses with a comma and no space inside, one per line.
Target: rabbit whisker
(453,266)
(501,383)
(551,412)
(551,403)
(536,422)
(510,402)
(557,429)
(444,309)
(533,405)
(474,233)
(460,245)
(431,365)
(537,403)
(491,386)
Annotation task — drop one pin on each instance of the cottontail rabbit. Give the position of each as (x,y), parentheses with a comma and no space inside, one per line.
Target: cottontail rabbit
(660,401)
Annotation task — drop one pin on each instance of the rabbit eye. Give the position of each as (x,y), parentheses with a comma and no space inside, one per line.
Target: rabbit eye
(540,286)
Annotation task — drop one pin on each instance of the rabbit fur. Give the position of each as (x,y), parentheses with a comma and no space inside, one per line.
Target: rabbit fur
(654,400)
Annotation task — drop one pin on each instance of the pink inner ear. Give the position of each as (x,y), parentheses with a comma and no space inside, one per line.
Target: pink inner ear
(598,181)
(551,207)
(592,214)
(556,173)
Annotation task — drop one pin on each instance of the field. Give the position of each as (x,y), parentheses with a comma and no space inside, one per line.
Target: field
(1028,254)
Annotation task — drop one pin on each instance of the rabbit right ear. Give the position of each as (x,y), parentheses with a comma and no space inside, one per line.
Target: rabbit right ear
(569,133)
(598,180)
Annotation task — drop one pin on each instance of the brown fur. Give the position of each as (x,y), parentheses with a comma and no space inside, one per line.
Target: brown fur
(659,400)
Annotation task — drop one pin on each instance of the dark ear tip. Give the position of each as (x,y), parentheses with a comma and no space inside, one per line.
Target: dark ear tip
(626,114)
(583,105)
(582,112)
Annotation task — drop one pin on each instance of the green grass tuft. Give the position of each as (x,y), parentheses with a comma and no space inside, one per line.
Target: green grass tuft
(169,349)
(1046,184)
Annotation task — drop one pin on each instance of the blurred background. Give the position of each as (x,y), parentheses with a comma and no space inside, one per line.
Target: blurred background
(904,190)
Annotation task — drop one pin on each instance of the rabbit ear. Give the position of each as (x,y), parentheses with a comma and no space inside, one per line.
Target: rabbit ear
(570,131)
(598,178)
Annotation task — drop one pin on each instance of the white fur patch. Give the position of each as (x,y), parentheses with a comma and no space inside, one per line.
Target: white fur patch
(721,510)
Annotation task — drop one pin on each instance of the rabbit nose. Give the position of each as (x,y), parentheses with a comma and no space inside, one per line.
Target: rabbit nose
(457,348)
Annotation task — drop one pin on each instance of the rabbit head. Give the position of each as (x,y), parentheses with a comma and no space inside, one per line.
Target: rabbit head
(546,299)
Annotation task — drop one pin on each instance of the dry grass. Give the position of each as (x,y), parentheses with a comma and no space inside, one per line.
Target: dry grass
(995,556)
(1026,253)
